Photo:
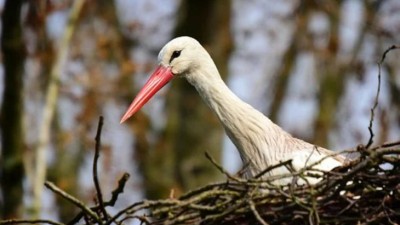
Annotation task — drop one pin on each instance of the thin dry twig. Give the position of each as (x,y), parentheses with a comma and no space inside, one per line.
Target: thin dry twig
(371,121)
(114,197)
(220,168)
(94,172)
(118,190)
(256,214)
(114,194)
(270,168)
(73,200)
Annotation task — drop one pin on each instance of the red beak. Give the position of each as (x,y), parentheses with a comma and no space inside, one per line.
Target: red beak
(157,80)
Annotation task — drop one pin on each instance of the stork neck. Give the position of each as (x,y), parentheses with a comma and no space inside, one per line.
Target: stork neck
(252,133)
(215,93)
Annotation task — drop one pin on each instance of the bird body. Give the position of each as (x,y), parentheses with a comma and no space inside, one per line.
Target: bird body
(260,142)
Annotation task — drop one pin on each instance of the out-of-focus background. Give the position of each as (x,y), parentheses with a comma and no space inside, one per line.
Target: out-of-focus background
(311,66)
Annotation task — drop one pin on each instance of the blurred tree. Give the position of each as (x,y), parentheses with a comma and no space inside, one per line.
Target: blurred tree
(107,49)
(12,170)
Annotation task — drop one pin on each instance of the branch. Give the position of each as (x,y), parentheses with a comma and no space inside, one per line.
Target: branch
(115,193)
(95,160)
(262,173)
(256,214)
(120,189)
(371,133)
(96,214)
(73,200)
(219,167)
(114,197)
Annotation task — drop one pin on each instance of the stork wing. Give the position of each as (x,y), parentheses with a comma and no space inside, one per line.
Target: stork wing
(317,158)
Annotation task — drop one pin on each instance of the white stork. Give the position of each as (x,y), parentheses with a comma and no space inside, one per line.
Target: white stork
(260,142)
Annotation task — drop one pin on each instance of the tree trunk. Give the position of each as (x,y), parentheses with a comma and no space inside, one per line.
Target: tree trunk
(11,112)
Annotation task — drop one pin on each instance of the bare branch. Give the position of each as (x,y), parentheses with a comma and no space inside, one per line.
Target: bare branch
(371,121)
(120,189)
(95,160)
(268,169)
(73,200)
(256,214)
(219,167)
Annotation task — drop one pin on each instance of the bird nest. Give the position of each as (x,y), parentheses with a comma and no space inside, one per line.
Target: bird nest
(364,191)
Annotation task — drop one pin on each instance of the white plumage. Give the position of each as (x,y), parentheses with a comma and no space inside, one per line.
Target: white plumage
(260,142)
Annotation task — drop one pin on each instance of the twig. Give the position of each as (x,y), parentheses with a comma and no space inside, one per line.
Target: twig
(76,219)
(391,144)
(95,160)
(371,120)
(142,219)
(220,168)
(352,203)
(114,194)
(114,197)
(73,200)
(140,205)
(256,214)
(266,170)
(371,133)
(313,216)
(387,51)
(120,189)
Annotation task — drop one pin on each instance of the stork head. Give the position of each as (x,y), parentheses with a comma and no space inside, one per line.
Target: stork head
(179,57)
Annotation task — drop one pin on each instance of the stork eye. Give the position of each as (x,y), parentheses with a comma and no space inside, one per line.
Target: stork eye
(174,55)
